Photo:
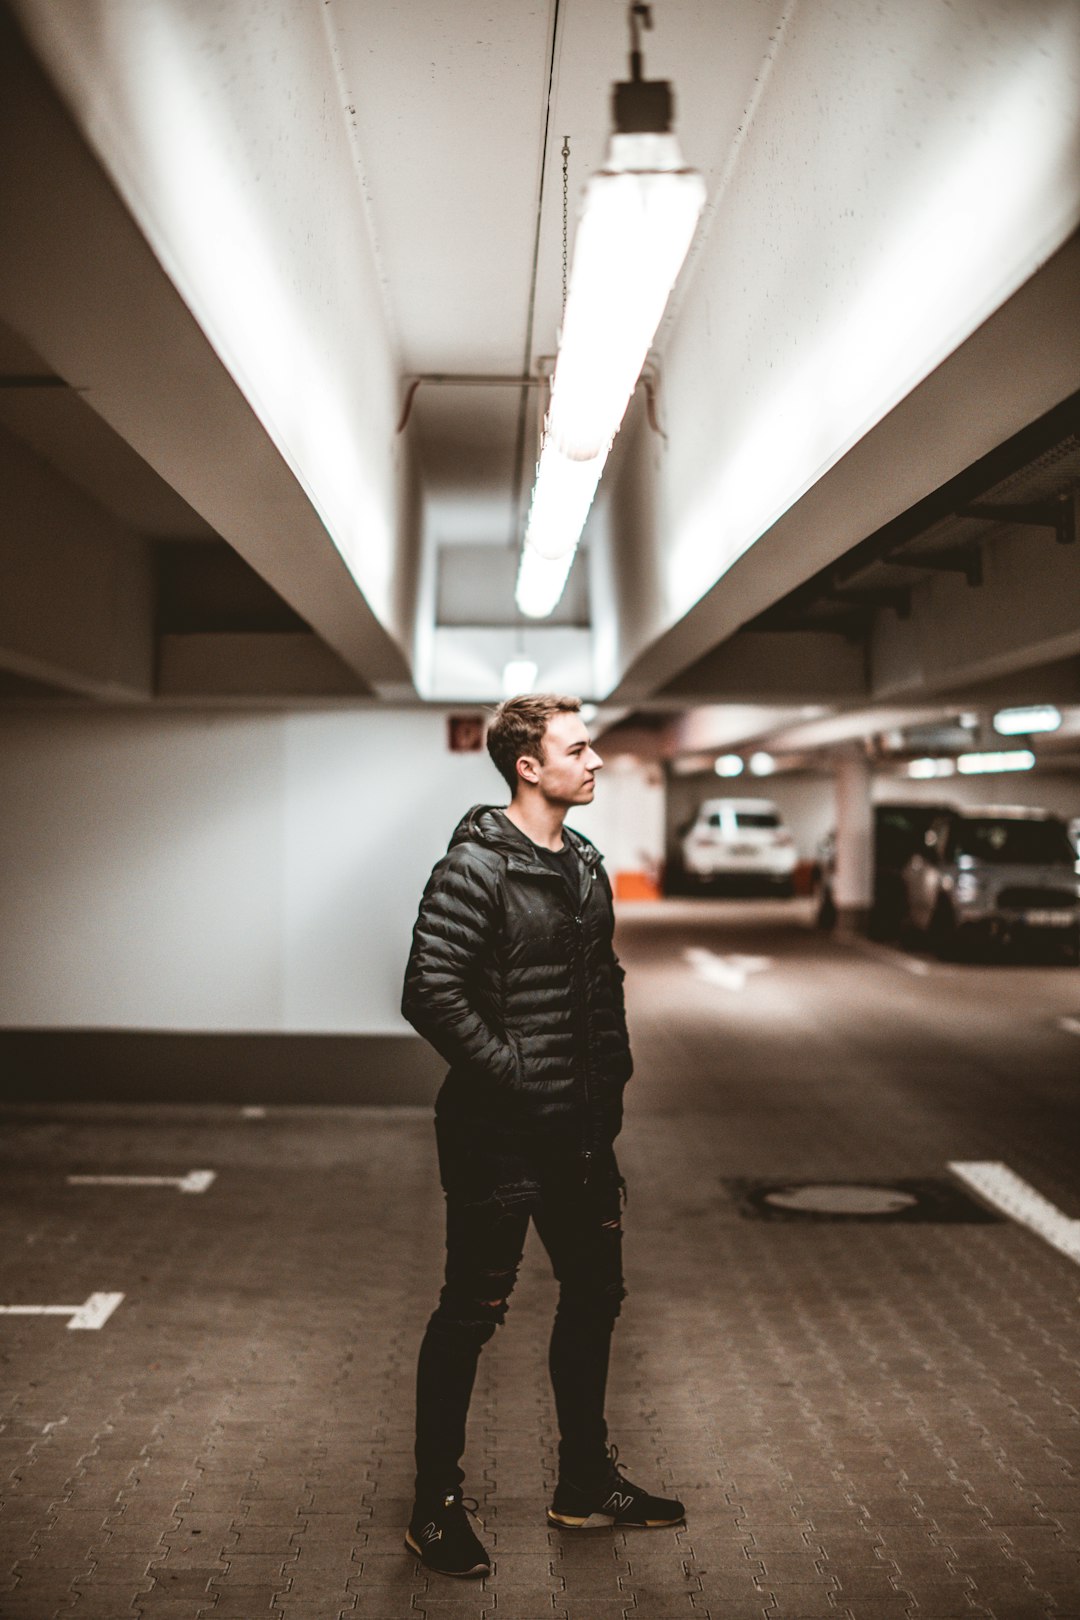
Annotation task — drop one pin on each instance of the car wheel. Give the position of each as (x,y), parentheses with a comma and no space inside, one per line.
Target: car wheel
(944,934)
(675,878)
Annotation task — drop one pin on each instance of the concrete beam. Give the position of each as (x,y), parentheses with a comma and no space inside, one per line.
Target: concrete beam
(799,666)
(1019,364)
(256,666)
(80,283)
(1024,615)
(1058,683)
(76,590)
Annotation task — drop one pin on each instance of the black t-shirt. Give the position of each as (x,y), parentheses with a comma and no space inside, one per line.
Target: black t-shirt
(565,862)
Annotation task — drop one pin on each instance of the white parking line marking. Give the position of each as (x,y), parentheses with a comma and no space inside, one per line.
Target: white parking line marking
(252,1112)
(196,1181)
(1007,1191)
(91,1315)
(729,972)
(1071,1026)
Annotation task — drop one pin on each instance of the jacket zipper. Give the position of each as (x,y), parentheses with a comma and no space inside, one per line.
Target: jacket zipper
(579,997)
(586,1152)
(584,887)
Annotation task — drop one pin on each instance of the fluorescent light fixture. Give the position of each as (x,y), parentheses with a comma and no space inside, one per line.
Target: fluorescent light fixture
(1024,722)
(588,712)
(519,675)
(541,582)
(1013,759)
(561,498)
(638,218)
(925,770)
(728,765)
(762,764)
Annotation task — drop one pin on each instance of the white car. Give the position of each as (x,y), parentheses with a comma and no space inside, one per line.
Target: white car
(739,839)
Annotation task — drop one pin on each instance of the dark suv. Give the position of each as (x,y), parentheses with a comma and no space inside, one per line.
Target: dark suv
(1000,875)
(899,829)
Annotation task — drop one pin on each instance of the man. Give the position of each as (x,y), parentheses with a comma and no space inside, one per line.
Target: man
(513,979)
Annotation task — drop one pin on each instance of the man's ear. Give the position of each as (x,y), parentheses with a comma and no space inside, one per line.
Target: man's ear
(527,768)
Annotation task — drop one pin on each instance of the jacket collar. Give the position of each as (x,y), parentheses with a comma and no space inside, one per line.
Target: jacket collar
(490,825)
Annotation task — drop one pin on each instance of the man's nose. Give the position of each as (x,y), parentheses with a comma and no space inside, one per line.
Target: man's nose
(593,760)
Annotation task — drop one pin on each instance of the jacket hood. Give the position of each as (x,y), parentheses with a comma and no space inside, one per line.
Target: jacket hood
(488,824)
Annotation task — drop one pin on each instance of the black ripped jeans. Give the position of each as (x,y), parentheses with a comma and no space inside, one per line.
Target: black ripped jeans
(494,1187)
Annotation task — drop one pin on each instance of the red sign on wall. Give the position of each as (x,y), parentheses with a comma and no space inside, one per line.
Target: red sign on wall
(465,733)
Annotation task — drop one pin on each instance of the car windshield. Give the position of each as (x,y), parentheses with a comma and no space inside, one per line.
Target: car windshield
(756,818)
(1017,843)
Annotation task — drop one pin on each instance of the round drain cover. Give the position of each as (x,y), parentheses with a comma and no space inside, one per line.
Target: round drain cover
(830,1199)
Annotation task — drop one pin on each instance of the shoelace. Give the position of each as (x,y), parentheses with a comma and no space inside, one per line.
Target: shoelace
(469,1503)
(431,1531)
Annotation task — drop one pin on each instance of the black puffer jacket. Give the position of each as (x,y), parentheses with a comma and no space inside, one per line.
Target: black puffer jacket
(519,990)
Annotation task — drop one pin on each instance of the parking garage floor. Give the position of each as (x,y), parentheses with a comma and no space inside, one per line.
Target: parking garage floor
(862,1376)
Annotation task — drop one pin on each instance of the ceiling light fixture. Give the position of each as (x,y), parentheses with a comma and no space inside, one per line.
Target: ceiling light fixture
(729,765)
(638,218)
(925,770)
(1025,722)
(518,676)
(1014,759)
(541,582)
(762,764)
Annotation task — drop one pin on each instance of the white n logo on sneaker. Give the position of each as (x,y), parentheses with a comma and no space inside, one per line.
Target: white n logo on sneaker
(429,1532)
(619,1502)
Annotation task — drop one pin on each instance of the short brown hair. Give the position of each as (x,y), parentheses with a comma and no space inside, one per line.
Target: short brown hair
(518,728)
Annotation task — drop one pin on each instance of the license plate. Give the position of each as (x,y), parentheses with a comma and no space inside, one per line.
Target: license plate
(1049,919)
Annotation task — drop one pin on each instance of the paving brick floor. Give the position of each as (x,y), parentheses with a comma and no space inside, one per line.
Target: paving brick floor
(866,1420)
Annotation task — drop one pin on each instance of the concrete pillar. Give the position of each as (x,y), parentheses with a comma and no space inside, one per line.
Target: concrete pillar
(853,885)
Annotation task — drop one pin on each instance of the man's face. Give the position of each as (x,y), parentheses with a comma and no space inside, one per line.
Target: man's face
(566,774)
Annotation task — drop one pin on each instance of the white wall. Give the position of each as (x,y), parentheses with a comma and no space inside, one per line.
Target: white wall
(220,872)
(244,872)
(1056,791)
(807,803)
(626,818)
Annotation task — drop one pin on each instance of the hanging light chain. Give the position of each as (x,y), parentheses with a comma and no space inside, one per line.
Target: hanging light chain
(565,206)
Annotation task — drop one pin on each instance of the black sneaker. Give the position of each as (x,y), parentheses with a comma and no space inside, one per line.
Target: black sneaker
(614,1501)
(441,1536)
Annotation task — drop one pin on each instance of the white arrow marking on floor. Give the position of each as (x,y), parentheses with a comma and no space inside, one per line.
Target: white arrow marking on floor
(196,1181)
(1007,1191)
(92,1314)
(728,972)
(1071,1026)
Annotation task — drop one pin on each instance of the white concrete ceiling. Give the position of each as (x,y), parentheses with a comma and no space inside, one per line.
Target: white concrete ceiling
(350,195)
(460,148)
